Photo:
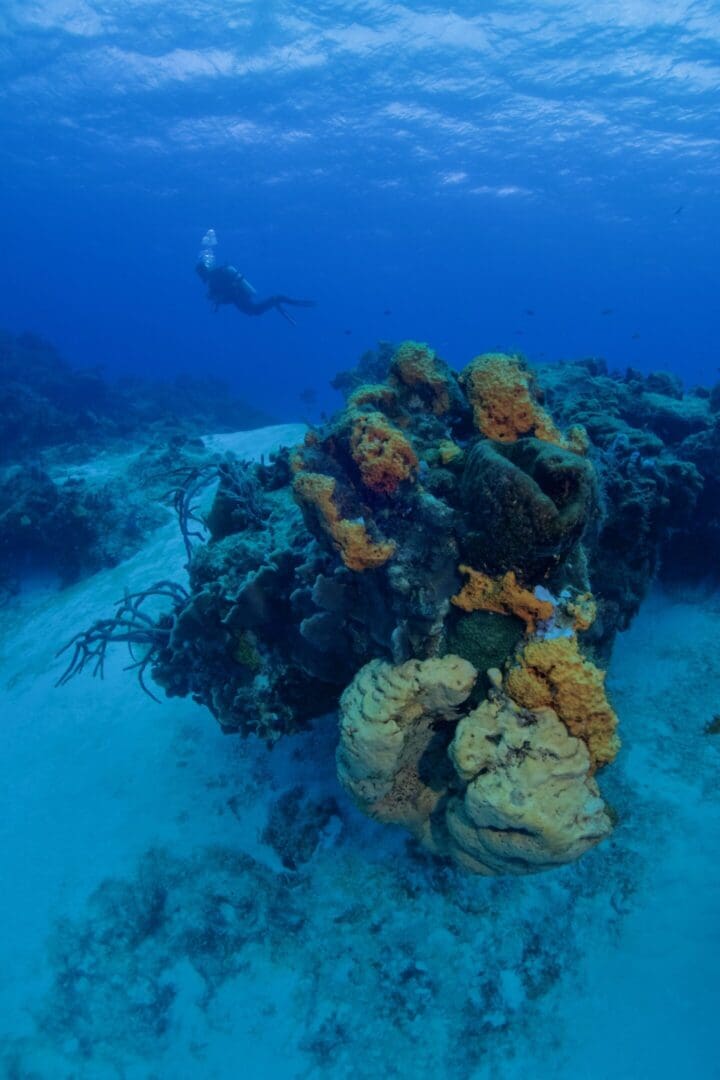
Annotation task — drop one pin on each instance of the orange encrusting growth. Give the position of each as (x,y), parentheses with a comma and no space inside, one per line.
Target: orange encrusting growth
(383,455)
(498,388)
(503,594)
(553,674)
(416,365)
(357,550)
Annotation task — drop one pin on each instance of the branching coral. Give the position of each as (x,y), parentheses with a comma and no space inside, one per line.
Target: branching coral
(554,674)
(351,538)
(503,595)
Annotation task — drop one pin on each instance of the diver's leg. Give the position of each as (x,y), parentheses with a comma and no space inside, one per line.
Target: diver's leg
(257,307)
(295,303)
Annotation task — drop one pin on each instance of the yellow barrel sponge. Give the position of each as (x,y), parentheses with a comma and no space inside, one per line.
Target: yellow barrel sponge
(415,365)
(316,492)
(502,594)
(554,674)
(387,758)
(501,790)
(530,802)
(381,452)
(498,389)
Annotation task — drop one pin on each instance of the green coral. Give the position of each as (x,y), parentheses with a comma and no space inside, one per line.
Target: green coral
(486,639)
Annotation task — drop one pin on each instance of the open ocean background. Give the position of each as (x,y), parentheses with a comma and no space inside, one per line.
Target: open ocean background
(541,177)
(456,166)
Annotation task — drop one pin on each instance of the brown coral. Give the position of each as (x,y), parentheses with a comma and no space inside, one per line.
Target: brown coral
(498,388)
(503,595)
(416,366)
(381,452)
(351,538)
(554,674)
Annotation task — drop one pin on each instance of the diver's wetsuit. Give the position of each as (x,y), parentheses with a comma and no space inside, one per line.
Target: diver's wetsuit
(226,285)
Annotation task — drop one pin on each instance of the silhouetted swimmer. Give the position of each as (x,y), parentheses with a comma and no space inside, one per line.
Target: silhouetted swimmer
(226,285)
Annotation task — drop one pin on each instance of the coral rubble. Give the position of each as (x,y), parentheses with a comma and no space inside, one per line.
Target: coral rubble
(450,563)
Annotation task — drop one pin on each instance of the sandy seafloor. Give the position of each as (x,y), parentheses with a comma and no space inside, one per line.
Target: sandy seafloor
(149,930)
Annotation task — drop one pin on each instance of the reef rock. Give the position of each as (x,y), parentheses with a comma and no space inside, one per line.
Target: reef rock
(449,561)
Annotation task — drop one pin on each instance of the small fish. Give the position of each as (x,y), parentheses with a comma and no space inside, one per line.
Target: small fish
(387,311)
(518,331)
(679,211)
(347,332)
(529,311)
(308,396)
(606,311)
(635,337)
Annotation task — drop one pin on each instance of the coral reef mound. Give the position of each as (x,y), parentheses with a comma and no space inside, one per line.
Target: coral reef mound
(449,564)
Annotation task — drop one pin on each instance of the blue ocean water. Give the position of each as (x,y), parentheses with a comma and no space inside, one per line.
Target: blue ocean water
(539,178)
(452,166)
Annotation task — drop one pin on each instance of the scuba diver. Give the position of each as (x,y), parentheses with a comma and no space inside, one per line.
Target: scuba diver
(226,285)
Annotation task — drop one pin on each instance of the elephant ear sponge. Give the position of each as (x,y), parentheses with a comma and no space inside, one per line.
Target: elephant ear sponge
(392,756)
(553,674)
(499,389)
